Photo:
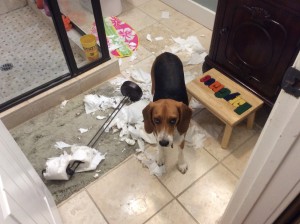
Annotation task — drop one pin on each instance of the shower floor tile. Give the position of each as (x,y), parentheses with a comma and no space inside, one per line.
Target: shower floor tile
(31,45)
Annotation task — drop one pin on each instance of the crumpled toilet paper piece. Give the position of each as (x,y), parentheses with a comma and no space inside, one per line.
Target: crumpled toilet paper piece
(94,102)
(130,121)
(148,37)
(83,130)
(130,114)
(56,167)
(61,145)
(148,160)
(197,58)
(63,103)
(191,44)
(89,156)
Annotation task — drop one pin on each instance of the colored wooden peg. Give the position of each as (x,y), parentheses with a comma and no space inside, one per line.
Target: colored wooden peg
(205,78)
(216,86)
(222,93)
(239,102)
(209,82)
(241,109)
(231,96)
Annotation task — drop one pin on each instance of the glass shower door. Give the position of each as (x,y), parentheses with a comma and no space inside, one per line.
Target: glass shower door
(38,52)
(30,51)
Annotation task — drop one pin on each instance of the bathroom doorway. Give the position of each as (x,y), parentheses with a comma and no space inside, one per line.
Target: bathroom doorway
(38,52)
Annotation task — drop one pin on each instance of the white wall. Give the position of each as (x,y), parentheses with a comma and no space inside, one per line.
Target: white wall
(211,4)
(195,11)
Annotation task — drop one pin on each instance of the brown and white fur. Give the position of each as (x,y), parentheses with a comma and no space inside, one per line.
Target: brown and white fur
(169,115)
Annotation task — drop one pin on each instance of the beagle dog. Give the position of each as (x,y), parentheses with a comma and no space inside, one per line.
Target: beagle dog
(169,115)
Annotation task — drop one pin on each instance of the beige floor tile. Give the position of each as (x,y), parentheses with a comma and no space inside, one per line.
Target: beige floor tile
(208,198)
(137,19)
(239,135)
(194,70)
(156,30)
(199,162)
(155,8)
(172,214)
(137,2)
(144,65)
(126,5)
(238,160)
(141,54)
(129,194)
(204,36)
(80,209)
(180,24)
(209,122)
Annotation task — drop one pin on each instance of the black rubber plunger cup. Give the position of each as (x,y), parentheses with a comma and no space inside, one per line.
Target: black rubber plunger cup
(129,90)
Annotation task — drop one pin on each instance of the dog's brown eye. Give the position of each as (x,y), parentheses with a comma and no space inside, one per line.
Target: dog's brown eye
(156,121)
(172,121)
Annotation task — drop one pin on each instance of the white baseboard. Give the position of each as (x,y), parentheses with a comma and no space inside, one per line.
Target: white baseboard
(195,11)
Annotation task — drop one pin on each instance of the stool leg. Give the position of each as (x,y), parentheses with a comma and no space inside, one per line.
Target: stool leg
(250,120)
(189,97)
(226,136)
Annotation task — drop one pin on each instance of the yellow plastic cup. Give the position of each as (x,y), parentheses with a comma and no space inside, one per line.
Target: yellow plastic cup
(90,47)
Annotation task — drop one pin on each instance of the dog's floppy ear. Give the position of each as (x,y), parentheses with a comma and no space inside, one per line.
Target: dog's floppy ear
(147,114)
(185,115)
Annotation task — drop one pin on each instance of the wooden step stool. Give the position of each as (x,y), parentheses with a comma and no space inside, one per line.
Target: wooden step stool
(227,100)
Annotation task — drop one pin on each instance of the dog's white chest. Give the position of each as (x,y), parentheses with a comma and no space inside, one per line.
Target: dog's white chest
(178,138)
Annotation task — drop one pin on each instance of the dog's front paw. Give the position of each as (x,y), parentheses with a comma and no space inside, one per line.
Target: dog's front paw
(182,167)
(160,160)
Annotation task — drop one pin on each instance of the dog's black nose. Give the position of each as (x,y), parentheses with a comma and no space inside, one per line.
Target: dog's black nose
(164,143)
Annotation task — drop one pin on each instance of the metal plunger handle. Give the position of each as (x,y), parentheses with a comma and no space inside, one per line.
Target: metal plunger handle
(95,139)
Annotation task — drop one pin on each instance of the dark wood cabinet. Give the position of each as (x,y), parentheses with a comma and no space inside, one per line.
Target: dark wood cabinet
(254,42)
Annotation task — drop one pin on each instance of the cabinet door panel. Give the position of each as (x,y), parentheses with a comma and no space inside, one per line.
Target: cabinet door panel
(257,41)
(254,45)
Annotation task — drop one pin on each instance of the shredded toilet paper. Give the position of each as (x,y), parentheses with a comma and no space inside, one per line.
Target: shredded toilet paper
(89,156)
(148,160)
(63,103)
(56,166)
(94,102)
(191,44)
(61,145)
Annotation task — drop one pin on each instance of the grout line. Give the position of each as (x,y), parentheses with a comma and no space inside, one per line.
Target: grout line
(195,181)
(102,213)
(159,210)
(222,160)
(238,146)
(187,211)
(233,150)
(227,168)
(109,171)
(210,154)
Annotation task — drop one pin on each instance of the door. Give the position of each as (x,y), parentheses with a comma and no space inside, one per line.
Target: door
(23,196)
(272,179)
